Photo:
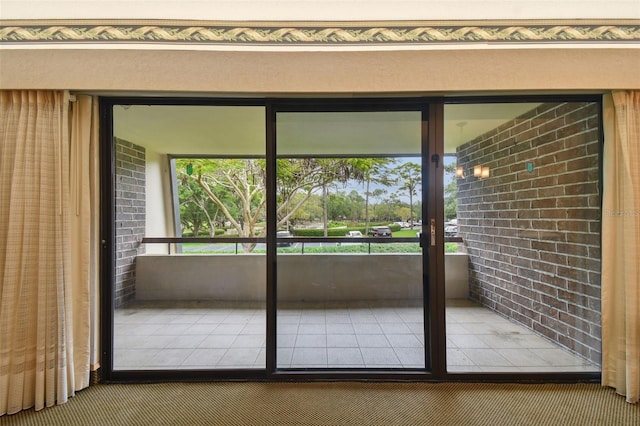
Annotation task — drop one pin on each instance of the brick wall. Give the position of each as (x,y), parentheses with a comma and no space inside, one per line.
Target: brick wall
(533,237)
(130,217)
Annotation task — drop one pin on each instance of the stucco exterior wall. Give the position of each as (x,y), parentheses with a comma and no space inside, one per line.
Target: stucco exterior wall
(159,223)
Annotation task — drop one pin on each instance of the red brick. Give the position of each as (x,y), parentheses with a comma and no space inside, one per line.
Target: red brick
(581,189)
(571,154)
(545,267)
(554,281)
(548,225)
(594,148)
(552,169)
(545,181)
(552,214)
(571,129)
(590,162)
(584,214)
(545,331)
(520,185)
(583,289)
(551,191)
(552,236)
(576,201)
(573,225)
(528,214)
(521,243)
(580,238)
(544,203)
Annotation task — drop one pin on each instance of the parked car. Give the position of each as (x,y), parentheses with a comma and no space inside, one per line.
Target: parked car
(352,234)
(451,231)
(283,234)
(380,231)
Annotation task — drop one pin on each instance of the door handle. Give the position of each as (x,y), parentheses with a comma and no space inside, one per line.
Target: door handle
(433,232)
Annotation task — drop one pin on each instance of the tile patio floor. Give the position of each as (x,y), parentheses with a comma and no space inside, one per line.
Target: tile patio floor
(336,336)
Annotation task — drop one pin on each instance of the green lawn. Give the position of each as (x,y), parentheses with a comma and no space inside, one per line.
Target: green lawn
(405,233)
(343,248)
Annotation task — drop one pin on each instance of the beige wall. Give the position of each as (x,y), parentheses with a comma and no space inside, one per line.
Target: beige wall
(428,70)
(260,10)
(159,218)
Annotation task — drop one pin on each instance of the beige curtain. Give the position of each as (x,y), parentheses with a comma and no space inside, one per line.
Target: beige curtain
(85,235)
(46,294)
(621,245)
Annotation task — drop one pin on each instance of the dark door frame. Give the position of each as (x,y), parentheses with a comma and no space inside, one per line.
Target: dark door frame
(434,292)
(431,175)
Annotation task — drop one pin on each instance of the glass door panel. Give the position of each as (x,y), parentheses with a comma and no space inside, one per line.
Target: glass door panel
(349,263)
(522,262)
(190,237)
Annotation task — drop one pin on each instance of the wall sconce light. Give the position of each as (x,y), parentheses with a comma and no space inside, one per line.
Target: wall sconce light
(479,171)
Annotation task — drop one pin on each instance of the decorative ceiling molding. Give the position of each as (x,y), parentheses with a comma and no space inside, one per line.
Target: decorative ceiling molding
(334,34)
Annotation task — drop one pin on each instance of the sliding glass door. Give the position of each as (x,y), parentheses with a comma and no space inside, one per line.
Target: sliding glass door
(257,238)
(189,202)
(338,238)
(348,217)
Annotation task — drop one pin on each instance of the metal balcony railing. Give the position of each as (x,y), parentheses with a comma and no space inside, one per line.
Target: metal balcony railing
(236,241)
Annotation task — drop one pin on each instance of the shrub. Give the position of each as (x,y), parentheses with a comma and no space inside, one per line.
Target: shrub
(394,227)
(332,232)
(450,247)
(395,248)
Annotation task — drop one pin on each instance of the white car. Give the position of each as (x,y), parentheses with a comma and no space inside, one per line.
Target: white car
(352,234)
(451,231)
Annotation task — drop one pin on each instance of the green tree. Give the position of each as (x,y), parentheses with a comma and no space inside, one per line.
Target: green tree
(343,206)
(450,192)
(333,170)
(409,180)
(306,176)
(308,211)
(338,206)
(376,171)
(378,195)
(235,186)
(245,180)
(387,210)
(404,213)
(197,211)
(357,205)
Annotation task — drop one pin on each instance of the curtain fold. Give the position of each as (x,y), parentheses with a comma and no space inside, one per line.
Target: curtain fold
(621,245)
(44,302)
(84,234)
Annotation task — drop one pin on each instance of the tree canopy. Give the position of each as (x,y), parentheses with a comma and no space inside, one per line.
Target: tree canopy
(231,192)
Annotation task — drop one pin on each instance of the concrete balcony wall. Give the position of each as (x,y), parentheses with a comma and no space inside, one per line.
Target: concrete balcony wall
(309,278)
